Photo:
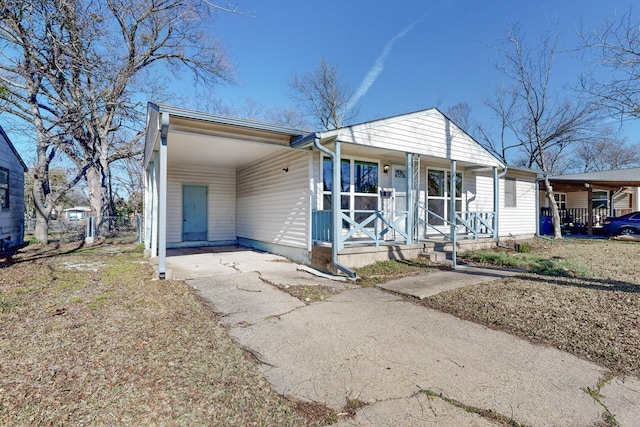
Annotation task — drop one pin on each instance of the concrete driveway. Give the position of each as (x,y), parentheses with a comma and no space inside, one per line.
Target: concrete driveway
(403,363)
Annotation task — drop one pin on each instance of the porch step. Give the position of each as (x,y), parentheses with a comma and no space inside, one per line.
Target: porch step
(441,251)
(436,257)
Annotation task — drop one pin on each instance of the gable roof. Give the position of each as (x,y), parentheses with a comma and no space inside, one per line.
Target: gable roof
(426,132)
(6,138)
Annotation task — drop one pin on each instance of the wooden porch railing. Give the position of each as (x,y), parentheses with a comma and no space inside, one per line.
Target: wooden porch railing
(374,228)
(378,225)
(580,216)
(478,224)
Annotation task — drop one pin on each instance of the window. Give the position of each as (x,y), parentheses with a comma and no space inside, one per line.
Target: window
(4,189)
(561,200)
(358,187)
(438,184)
(510,194)
(600,199)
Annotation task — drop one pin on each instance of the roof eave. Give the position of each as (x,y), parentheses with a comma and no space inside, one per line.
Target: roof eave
(11,146)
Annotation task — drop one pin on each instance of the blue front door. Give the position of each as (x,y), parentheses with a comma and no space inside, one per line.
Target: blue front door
(194,213)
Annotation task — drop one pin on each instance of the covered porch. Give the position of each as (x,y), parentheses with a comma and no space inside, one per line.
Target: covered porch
(586,199)
(412,207)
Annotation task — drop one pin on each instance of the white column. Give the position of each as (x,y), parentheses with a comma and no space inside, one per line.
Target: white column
(410,202)
(452,212)
(162,199)
(147,208)
(154,206)
(496,201)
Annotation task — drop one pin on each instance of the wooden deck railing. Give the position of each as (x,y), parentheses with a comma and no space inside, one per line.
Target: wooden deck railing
(580,216)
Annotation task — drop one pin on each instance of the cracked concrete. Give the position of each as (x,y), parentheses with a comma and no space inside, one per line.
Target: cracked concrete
(374,346)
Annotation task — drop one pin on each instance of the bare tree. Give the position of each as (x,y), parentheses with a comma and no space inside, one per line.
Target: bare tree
(130,180)
(460,114)
(500,142)
(606,154)
(284,116)
(544,126)
(614,52)
(322,96)
(75,70)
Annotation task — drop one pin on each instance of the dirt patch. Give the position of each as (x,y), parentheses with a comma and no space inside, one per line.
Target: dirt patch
(595,317)
(310,293)
(89,337)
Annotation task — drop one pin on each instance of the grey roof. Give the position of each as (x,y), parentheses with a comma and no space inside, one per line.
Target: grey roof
(611,179)
(232,121)
(523,169)
(618,175)
(24,166)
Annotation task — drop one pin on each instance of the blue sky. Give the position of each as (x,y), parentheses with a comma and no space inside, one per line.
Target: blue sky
(443,51)
(447,55)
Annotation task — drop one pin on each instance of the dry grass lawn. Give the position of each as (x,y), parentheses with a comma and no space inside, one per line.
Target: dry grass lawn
(596,317)
(88,338)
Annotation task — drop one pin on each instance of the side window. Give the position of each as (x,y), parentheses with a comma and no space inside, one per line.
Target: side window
(600,199)
(561,200)
(4,189)
(510,195)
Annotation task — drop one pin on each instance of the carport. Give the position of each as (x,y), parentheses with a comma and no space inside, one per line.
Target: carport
(614,181)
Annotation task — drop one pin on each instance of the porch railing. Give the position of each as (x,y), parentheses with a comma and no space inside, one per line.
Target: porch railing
(475,223)
(580,216)
(378,226)
(374,228)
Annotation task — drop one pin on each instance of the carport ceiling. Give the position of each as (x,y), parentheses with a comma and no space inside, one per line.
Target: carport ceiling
(192,149)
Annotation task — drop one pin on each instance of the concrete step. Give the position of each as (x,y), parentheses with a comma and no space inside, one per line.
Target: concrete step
(436,257)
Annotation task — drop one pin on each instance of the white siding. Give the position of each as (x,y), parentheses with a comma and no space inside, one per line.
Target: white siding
(521,219)
(428,133)
(12,220)
(578,200)
(479,190)
(623,202)
(274,206)
(221,184)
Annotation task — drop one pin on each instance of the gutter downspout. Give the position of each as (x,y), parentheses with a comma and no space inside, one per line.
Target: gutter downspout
(335,203)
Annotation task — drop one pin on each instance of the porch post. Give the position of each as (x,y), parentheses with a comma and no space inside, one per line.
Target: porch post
(410,201)
(589,210)
(147,208)
(496,201)
(452,212)
(336,200)
(162,199)
(154,206)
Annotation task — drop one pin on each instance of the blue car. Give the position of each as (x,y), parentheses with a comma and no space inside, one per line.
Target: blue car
(625,224)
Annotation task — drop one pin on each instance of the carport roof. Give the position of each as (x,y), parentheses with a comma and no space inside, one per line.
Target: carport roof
(204,139)
(611,179)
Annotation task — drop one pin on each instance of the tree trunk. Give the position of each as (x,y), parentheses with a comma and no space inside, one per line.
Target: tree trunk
(98,183)
(42,211)
(557,229)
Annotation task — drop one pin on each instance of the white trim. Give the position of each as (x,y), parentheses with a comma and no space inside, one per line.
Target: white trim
(444,198)
(351,192)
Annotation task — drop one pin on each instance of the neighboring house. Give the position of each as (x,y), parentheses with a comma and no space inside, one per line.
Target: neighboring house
(77,212)
(213,180)
(12,170)
(586,199)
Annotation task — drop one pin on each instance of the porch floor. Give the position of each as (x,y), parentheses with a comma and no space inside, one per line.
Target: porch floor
(357,255)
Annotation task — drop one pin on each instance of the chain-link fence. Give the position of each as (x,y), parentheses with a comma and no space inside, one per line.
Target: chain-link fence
(125,228)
